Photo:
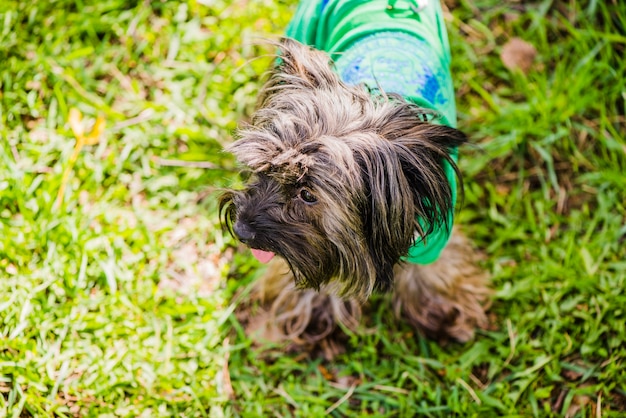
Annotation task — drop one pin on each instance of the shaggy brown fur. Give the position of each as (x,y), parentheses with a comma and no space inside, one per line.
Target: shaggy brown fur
(444,299)
(341,177)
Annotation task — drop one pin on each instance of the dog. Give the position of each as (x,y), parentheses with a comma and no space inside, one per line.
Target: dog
(352,154)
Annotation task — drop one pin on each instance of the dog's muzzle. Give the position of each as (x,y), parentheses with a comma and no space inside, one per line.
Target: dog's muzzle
(245,233)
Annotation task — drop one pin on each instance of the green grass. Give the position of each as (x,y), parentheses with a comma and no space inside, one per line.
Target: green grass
(118,301)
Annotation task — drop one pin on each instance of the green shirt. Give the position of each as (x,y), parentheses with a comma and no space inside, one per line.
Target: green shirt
(397,46)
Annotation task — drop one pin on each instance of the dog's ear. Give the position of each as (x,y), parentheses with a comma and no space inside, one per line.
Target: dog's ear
(424,150)
(407,180)
(425,156)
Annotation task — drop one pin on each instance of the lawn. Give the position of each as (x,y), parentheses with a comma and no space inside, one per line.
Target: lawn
(118,289)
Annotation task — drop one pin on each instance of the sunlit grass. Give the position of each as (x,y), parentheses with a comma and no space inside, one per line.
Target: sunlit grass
(116,283)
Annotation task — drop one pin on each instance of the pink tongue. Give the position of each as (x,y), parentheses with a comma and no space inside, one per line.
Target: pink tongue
(262,256)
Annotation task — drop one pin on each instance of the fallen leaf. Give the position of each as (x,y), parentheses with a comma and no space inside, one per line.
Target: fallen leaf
(324,371)
(75,119)
(94,136)
(517,54)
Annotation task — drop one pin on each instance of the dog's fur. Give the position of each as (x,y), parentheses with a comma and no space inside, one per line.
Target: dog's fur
(341,175)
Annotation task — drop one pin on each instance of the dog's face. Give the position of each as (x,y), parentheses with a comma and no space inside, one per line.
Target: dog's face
(341,176)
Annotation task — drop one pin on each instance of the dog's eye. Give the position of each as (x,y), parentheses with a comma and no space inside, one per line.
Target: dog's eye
(307,196)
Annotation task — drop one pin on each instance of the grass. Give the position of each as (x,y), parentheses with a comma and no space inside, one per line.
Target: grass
(117,286)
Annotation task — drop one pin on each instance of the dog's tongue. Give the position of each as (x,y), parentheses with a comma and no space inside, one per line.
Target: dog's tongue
(262,256)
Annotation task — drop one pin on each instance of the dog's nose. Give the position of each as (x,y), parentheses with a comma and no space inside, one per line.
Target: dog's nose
(244,232)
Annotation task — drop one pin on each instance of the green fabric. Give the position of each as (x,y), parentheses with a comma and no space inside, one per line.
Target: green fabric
(394,45)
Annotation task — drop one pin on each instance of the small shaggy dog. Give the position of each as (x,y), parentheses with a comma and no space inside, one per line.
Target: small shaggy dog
(354,176)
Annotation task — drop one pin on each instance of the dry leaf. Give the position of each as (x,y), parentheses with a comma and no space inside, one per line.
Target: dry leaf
(75,119)
(518,54)
(325,373)
(94,136)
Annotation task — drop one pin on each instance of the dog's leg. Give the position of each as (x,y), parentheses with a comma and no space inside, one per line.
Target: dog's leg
(303,317)
(445,299)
